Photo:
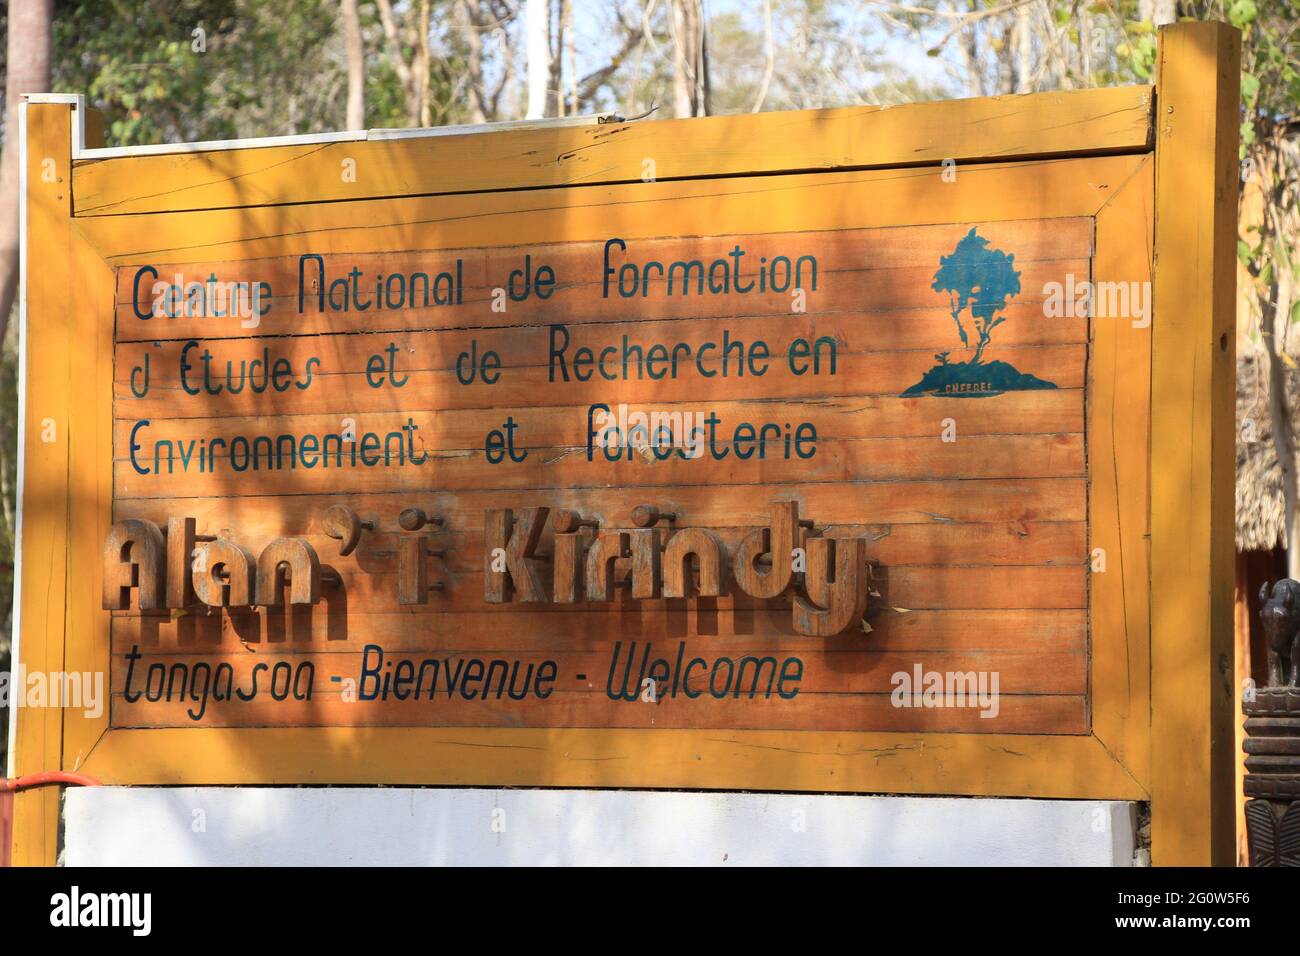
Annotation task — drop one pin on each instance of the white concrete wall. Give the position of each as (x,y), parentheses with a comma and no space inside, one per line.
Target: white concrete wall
(257,826)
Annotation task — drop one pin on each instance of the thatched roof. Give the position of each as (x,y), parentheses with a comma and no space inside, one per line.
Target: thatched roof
(1260,507)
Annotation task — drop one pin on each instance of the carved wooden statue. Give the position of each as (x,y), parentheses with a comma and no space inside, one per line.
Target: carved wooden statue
(1281,618)
(1272,743)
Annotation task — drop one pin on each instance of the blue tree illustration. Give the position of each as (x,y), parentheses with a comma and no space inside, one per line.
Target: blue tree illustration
(981,279)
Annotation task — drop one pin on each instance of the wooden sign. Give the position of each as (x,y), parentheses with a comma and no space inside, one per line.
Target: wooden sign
(885,408)
(860,451)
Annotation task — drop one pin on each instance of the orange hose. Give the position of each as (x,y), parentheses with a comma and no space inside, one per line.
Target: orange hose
(47,778)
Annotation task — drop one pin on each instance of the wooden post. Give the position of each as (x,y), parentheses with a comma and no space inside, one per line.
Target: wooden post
(66,465)
(1192,387)
(46,471)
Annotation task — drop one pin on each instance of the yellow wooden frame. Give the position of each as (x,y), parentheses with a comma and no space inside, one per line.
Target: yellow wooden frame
(1092,152)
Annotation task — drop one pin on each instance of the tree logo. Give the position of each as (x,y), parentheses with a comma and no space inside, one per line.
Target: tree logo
(978,280)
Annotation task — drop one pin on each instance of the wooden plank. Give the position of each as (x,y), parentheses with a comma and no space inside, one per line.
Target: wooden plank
(592,671)
(927,633)
(580,303)
(856,373)
(1019,714)
(1192,388)
(1046,412)
(6,827)
(614,280)
(268,468)
(903,544)
(1059,766)
(1119,448)
(710,506)
(327,373)
(982,193)
(90,477)
(908,587)
(1101,121)
(48,431)
(898,246)
(864,255)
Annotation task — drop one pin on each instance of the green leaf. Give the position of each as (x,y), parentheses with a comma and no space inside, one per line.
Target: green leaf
(1241,13)
(1295,311)
(1243,253)
(1249,87)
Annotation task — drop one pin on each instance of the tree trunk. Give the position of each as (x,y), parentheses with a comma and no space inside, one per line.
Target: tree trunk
(422,66)
(1274,319)
(555,97)
(1157,12)
(1284,446)
(571,57)
(537,29)
(473,61)
(683,44)
(1274,315)
(356,56)
(28,60)
(1022,38)
(692,92)
(769,57)
(406,71)
(703,84)
(971,56)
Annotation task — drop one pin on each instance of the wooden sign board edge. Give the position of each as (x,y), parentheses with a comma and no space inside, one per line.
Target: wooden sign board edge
(1079,767)
(1106,121)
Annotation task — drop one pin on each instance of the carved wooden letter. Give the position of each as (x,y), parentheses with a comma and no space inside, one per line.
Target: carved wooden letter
(295,559)
(134,557)
(646,551)
(779,541)
(837,602)
(344,525)
(682,547)
(227,576)
(608,547)
(182,535)
(517,539)
(413,570)
(567,584)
